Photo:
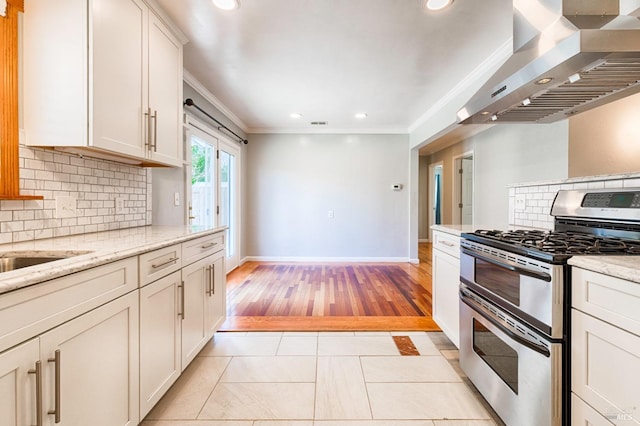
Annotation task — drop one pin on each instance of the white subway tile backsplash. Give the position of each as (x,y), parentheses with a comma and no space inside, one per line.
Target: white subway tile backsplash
(53,174)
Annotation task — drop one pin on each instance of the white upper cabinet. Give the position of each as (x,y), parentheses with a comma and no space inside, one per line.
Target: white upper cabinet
(103,75)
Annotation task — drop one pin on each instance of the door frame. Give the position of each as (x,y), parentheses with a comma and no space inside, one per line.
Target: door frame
(431,193)
(192,123)
(457,188)
(232,148)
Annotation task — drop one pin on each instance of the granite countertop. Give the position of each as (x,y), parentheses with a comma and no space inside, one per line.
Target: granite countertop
(96,249)
(624,267)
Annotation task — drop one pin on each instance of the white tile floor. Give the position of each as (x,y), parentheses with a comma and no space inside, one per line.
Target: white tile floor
(322,379)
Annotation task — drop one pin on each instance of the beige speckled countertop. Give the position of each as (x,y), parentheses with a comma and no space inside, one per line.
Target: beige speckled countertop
(624,267)
(102,247)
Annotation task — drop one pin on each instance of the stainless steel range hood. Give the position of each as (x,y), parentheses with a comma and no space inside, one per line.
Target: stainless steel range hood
(569,56)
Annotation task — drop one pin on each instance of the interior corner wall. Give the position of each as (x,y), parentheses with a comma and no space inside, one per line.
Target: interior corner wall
(606,140)
(295,180)
(423,198)
(505,154)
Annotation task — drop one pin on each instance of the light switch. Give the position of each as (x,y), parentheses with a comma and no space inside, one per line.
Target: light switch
(521,202)
(176,199)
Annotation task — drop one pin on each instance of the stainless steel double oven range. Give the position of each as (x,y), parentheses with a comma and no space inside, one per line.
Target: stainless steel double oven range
(515,301)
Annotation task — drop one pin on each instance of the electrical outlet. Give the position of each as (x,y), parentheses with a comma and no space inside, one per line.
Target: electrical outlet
(66,207)
(521,202)
(330,214)
(119,204)
(176,199)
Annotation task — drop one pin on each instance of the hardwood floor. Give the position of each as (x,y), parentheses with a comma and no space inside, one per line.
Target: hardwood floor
(272,296)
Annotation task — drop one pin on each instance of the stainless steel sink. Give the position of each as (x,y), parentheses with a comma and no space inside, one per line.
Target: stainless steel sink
(10,261)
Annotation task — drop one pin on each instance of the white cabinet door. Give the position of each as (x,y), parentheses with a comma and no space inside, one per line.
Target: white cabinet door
(195,282)
(605,365)
(216,295)
(165,93)
(17,385)
(118,70)
(97,364)
(159,340)
(446,284)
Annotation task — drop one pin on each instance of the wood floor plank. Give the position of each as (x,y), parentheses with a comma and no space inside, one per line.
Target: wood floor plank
(334,296)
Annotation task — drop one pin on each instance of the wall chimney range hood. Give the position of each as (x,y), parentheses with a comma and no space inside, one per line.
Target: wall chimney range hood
(569,56)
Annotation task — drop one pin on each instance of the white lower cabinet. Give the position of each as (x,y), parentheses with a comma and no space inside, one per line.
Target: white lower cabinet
(18,404)
(160,325)
(605,349)
(91,367)
(84,372)
(216,306)
(446,284)
(195,282)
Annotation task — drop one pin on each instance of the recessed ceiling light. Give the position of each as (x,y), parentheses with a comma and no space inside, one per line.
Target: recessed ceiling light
(361,115)
(544,80)
(485,113)
(437,4)
(226,4)
(295,115)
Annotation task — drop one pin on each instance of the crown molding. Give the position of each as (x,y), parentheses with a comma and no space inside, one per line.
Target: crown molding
(199,87)
(498,57)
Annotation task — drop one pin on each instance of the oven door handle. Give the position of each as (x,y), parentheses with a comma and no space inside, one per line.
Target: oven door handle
(505,329)
(509,265)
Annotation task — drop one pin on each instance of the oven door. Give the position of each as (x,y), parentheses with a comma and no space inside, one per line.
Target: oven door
(517,371)
(531,289)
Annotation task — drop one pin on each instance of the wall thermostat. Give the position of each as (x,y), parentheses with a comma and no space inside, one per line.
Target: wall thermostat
(396,187)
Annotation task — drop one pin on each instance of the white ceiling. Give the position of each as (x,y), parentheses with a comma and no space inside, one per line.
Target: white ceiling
(329,59)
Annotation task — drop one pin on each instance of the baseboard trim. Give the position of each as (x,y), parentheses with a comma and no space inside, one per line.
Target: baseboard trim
(424,240)
(327,259)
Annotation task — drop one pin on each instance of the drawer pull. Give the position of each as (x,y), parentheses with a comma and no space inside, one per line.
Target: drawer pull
(38,373)
(173,259)
(206,246)
(181,289)
(446,243)
(56,410)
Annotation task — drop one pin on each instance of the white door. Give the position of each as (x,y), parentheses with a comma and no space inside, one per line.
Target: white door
(203,189)
(228,200)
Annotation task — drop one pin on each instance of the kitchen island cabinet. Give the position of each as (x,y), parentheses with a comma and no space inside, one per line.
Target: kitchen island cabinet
(605,342)
(104,76)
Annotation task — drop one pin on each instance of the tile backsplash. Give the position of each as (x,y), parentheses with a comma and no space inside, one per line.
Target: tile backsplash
(530,203)
(85,189)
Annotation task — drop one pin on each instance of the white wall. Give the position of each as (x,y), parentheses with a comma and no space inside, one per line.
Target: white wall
(293,180)
(514,153)
(504,155)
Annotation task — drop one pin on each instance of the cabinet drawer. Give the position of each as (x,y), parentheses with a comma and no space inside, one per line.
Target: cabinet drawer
(611,299)
(583,415)
(158,263)
(605,362)
(32,310)
(201,247)
(446,243)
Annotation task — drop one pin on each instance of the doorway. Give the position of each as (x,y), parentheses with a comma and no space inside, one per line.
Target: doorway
(435,182)
(463,189)
(213,185)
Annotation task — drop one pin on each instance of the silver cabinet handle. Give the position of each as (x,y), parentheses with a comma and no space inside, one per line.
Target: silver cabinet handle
(446,243)
(147,116)
(181,295)
(206,246)
(155,130)
(213,279)
(56,359)
(173,259)
(208,277)
(38,373)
